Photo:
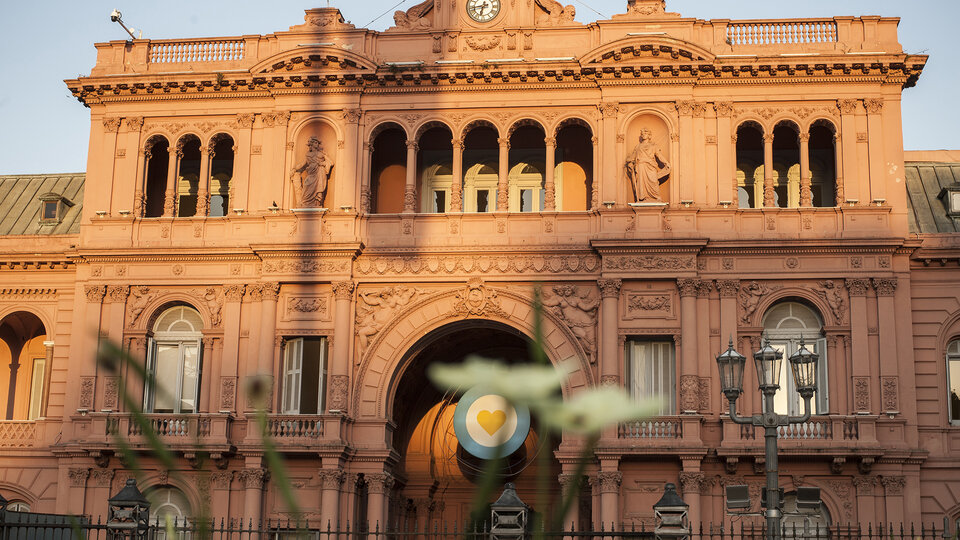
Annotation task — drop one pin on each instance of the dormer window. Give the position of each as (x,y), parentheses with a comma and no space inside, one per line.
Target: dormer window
(52,208)
(950,196)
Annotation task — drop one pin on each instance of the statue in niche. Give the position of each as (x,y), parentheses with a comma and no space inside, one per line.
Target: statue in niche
(310,178)
(554,13)
(647,168)
(413,18)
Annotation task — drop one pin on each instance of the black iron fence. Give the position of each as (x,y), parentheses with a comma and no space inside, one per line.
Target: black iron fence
(26,526)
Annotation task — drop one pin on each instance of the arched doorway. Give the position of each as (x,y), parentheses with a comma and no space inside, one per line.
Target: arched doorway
(437,476)
(24,367)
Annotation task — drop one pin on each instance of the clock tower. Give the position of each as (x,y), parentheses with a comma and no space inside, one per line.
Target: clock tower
(434,15)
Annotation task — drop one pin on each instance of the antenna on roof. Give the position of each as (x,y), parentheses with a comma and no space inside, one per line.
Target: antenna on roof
(116,17)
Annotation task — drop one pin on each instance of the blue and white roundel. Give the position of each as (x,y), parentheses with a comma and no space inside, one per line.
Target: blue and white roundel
(484,421)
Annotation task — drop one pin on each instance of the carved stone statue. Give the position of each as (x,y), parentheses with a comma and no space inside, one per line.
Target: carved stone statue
(310,178)
(646,167)
(376,308)
(554,13)
(413,18)
(577,308)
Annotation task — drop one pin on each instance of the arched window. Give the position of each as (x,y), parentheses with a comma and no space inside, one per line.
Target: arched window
(527,164)
(953,381)
(480,154)
(574,167)
(786,165)
(24,373)
(221,174)
(188,177)
(750,165)
(388,171)
(18,506)
(435,167)
(785,324)
(173,362)
(168,504)
(156,155)
(823,164)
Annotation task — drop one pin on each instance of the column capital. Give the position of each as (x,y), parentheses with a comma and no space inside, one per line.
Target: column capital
(330,479)
(893,485)
(550,141)
(457,143)
(412,145)
(804,137)
(118,293)
(768,138)
(95,293)
(504,142)
(864,484)
(688,287)
(379,482)
(610,481)
(729,288)
(691,482)
(704,288)
(254,478)
(609,109)
(847,106)
(873,105)
(884,286)
(857,286)
(351,116)
(270,291)
(609,288)
(233,293)
(724,109)
(343,290)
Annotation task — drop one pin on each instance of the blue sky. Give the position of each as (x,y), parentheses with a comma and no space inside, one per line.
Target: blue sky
(43,42)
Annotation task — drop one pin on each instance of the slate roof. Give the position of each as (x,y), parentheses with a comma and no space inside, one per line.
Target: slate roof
(20,203)
(925,180)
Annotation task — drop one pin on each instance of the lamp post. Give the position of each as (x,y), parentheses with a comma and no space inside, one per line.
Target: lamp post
(803,364)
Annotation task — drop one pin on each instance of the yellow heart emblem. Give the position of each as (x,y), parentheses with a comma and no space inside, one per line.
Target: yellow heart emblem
(491,422)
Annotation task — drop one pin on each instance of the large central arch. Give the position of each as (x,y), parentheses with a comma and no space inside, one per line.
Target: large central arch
(382,362)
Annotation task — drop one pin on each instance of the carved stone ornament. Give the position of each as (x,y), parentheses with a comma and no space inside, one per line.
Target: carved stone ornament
(885,286)
(610,481)
(691,482)
(323,19)
(864,484)
(117,293)
(750,296)
(889,393)
(454,265)
(414,18)
(577,308)
(688,287)
(111,393)
(233,293)
(645,8)
(101,477)
(832,291)
(213,296)
(339,388)
(861,394)
(638,303)
(609,109)
(482,43)
(729,288)
(111,125)
(609,288)
(253,478)
(689,392)
(228,393)
(307,305)
(95,293)
(305,266)
(857,287)
(649,262)
(134,123)
(310,177)
(343,290)
(477,301)
(893,485)
(378,307)
(78,476)
(379,483)
(553,13)
(647,168)
(87,385)
(330,479)
(245,120)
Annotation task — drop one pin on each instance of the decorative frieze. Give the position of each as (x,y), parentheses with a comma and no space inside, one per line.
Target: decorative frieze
(306,266)
(643,305)
(649,262)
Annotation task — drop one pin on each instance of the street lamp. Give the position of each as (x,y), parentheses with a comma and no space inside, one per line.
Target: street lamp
(803,365)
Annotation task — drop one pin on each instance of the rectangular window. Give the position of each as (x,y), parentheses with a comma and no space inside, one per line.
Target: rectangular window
(439,201)
(526,200)
(482,200)
(50,210)
(304,374)
(36,388)
(953,380)
(787,400)
(175,368)
(652,372)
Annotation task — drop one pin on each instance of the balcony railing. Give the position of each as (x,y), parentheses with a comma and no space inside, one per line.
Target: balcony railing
(18,433)
(195,50)
(208,430)
(295,427)
(781,32)
(658,428)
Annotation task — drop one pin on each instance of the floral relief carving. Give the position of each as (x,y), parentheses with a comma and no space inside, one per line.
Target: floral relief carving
(134,123)
(691,482)
(857,287)
(832,291)
(609,288)
(117,293)
(95,293)
(885,286)
(864,484)
(577,307)
(482,43)
(873,105)
(305,266)
(87,385)
(221,479)
(642,305)
(729,288)
(861,394)
(689,392)
(233,293)
(893,485)
(889,394)
(111,393)
(245,120)
(111,125)
(339,389)
(649,262)
(78,476)
(379,482)
(687,287)
(307,305)
(343,290)
(101,477)
(253,478)
(610,481)
(376,308)
(228,393)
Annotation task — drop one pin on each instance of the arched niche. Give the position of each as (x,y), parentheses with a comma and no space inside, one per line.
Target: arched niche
(388,168)
(329,144)
(24,368)
(660,132)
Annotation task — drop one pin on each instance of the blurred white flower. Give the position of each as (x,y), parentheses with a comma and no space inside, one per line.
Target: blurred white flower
(521,384)
(592,410)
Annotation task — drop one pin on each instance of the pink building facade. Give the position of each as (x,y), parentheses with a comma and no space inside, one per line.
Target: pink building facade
(336,209)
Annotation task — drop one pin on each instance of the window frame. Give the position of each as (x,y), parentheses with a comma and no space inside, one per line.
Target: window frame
(287,399)
(952,356)
(182,340)
(787,340)
(669,406)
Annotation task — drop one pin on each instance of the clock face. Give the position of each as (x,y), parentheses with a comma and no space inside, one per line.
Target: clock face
(483,10)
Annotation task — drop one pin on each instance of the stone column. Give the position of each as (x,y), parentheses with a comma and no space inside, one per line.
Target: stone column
(875,138)
(240,183)
(893,498)
(838,170)
(138,198)
(866,507)
(410,190)
(47,372)
(860,351)
(340,361)
(347,181)
(253,482)
(503,178)
(365,182)
(609,172)
(684,166)
(726,154)
(207,154)
(209,377)
(268,327)
(610,498)
(847,162)
(768,194)
(220,487)
(806,195)
(689,381)
(456,187)
(229,364)
(330,482)
(887,329)
(77,477)
(170,195)
(378,489)
(690,483)
(571,521)
(549,190)
(609,317)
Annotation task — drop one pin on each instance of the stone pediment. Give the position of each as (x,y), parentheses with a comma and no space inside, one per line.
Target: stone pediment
(327,19)
(647,48)
(315,58)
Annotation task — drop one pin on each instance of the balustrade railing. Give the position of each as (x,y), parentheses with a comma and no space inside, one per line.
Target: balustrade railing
(657,428)
(781,32)
(813,429)
(206,50)
(17,433)
(292,427)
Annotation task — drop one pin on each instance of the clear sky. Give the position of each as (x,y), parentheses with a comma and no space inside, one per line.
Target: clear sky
(43,42)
